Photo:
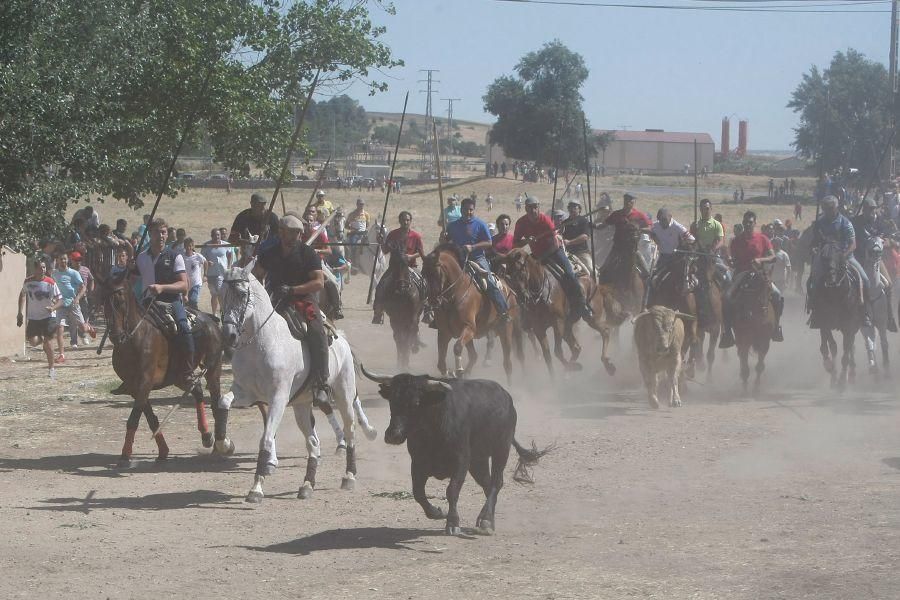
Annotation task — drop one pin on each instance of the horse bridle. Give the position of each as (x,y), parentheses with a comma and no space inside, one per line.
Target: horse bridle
(243,316)
(443,296)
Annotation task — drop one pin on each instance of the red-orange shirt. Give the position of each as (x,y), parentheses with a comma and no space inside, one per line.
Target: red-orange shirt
(410,242)
(744,248)
(542,230)
(621,217)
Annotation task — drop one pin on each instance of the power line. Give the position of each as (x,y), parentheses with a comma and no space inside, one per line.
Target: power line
(768,9)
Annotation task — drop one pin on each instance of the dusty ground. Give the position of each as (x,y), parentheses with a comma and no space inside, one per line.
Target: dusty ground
(793,494)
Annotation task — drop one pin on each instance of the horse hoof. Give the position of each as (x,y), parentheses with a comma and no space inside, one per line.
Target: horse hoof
(305,492)
(450,530)
(348,484)
(371,433)
(484,527)
(675,403)
(435,514)
(610,368)
(653,403)
(574,366)
(125,464)
(341,448)
(207,439)
(223,447)
(254,498)
(161,461)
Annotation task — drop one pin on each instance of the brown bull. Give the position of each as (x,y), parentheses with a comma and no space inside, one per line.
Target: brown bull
(462,312)
(658,337)
(546,306)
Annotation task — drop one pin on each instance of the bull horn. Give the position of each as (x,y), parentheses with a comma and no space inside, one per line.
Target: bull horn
(436,385)
(685,316)
(373,376)
(638,316)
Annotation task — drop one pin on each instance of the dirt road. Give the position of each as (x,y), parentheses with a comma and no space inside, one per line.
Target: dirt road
(794,494)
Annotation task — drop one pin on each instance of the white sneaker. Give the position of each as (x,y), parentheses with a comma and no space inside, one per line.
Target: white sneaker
(74,346)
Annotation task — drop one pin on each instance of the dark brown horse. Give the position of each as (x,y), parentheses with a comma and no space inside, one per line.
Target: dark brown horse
(403,301)
(709,313)
(836,304)
(754,321)
(144,360)
(546,306)
(620,271)
(462,312)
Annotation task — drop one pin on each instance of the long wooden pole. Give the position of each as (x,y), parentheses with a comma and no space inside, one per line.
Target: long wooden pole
(387,197)
(587,172)
(298,129)
(437,160)
(696,158)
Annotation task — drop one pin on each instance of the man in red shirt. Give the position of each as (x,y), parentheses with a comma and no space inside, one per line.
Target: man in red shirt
(409,243)
(627,214)
(536,231)
(749,248)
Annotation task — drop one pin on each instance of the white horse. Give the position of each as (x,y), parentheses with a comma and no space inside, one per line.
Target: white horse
(270,367)
(880,307)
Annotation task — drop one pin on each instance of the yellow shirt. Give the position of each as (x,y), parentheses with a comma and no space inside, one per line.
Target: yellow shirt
(706,231)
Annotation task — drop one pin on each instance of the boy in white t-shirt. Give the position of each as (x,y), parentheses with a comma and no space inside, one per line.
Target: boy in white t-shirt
(195,265)
(43,299)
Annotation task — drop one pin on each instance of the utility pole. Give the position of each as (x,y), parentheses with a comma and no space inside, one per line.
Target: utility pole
(892,164)
(428,149)
(450,102)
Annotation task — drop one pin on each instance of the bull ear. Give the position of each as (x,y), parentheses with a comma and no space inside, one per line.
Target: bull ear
(374,376)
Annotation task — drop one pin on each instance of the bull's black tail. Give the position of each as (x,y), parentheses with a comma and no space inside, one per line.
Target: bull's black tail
(527,459)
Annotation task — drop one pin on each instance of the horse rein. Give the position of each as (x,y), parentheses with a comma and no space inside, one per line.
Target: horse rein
(242,318)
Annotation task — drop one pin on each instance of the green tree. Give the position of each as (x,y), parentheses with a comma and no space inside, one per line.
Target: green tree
(539,112)
(844,113)
(340,122)
(94,94)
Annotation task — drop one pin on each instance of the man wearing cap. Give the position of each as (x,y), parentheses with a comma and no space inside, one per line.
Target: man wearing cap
(252,222)
(325,205)
(358,222)
(164,278)
(295,276)
(627,214)
(536,231)
(576,235)
(409,244)
(472,235)
(868,225)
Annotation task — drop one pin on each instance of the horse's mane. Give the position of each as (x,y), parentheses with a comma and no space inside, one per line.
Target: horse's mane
(451,248)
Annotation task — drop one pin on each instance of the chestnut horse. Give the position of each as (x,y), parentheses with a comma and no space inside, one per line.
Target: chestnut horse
(144,360)
(620,270)
(546,306)
(753,321)
(403,303)
(462,312)
(709,313)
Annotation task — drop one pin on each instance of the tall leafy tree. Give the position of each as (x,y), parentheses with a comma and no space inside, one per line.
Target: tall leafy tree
(539,111)
(336,125)
(844,113)
(94,94)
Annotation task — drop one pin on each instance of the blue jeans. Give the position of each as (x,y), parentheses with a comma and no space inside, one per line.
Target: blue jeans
(194,296)
(493,291)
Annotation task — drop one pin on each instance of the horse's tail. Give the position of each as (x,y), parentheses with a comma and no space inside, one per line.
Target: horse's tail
(370,432)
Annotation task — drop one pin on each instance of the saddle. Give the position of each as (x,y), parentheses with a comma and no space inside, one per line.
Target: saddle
(162,316)
(480,276)
(297,324)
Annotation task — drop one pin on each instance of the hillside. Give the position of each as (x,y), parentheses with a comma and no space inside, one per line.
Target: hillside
(470,131)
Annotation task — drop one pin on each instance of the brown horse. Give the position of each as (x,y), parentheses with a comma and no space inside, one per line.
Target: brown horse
(546,306)
(620,270)
(754,321)
(709,313)
(403,302)
(836,305)
(462,312)
(143,360)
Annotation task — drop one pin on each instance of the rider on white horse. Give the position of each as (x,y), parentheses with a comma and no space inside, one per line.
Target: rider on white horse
(866,226)
(295,276)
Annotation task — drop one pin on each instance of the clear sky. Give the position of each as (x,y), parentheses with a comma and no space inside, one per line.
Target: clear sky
(666,69)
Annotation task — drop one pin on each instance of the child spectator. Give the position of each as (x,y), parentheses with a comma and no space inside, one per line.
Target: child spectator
(195,265)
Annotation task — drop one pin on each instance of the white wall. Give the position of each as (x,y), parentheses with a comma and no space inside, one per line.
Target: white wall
(12,275)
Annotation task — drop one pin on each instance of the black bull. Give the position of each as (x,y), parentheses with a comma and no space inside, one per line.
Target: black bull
(451,427)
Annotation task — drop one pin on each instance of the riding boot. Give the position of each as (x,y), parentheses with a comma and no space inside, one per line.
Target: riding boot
(727,339)
(318,358)
(891,322)
(186,347)
(778,304)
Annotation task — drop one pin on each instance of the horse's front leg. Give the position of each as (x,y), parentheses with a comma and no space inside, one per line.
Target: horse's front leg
(744,357)
(465,338)
(153,423)
(848,360)
(885,351)
(868,335)
(267,459)
(304,418)
(222,445)
(206,437)
(442,343)
(134,419)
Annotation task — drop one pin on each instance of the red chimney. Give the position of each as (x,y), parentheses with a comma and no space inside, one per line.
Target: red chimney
(726,145)
(743,127)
